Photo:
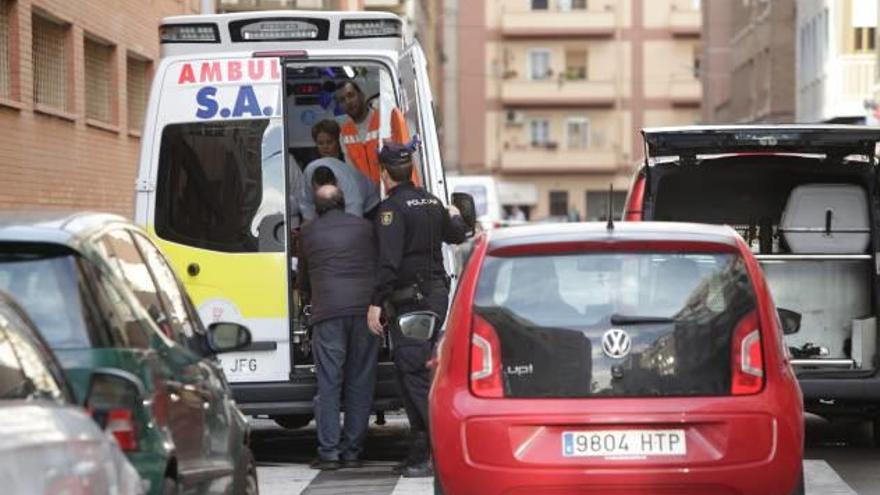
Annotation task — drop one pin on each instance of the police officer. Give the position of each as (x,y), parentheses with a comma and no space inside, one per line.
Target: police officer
(411,227)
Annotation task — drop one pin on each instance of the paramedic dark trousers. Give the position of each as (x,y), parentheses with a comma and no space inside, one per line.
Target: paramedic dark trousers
(346,355)
(413,376)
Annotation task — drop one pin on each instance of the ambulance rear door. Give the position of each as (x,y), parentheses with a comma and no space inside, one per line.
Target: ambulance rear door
(417,105)
(217,199)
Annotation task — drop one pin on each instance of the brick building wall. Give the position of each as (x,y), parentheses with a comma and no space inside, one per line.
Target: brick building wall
(64,143)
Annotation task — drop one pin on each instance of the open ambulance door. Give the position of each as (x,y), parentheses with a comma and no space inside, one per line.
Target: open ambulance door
(215,200)
(417,106)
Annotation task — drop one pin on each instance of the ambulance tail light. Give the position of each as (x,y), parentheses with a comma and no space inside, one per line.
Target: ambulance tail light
(376,28)
(485,361)
(189,33)
(747,358)
(279,29)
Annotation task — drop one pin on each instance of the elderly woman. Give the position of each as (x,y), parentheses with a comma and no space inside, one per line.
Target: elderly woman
(326,135)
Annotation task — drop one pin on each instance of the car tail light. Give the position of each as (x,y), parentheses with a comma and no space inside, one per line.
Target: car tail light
(120,423)
(485,360)
(747,358)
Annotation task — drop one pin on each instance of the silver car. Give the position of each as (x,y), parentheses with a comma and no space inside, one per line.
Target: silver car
(48,445)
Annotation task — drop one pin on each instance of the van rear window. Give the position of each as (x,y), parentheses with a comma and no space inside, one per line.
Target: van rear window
(221,185)
(615,324)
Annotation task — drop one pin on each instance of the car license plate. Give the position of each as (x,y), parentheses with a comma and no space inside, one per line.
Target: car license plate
(623,443)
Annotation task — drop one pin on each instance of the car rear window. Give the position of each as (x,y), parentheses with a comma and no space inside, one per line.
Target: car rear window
(561,322)
(47,286)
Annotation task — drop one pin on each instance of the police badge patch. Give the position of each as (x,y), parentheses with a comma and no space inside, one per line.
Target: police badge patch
(386,217)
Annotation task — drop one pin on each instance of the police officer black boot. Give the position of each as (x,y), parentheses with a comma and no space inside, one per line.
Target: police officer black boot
(418,445)
(423,469)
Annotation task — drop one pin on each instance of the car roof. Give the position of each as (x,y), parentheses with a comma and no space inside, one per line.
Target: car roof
(64,228)
(622,232)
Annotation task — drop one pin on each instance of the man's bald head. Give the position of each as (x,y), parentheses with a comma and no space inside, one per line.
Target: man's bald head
(328,197)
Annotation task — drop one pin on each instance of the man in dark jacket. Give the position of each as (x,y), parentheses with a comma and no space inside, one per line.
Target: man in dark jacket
(336,265)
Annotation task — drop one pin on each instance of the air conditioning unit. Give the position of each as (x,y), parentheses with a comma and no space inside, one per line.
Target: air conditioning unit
(512,117)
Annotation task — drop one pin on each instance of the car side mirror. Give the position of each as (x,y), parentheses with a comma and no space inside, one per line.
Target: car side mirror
(228,337)
(419,325)
(791,321)
(465,204)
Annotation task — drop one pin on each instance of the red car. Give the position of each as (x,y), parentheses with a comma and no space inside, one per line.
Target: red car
(640,358)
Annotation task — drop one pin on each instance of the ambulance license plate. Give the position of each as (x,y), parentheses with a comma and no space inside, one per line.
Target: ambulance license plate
(623,443)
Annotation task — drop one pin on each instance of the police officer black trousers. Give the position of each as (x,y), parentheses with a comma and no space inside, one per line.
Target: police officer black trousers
(411,357)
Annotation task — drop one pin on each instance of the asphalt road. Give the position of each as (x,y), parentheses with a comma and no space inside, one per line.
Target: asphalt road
(839,461)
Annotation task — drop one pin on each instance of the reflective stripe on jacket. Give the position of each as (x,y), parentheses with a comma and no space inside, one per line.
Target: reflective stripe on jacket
(362,151)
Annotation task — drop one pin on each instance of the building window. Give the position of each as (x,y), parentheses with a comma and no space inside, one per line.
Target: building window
(5,48)
(539,64)
(575,65)
(539,133)
(51,63)
(578,133)
(864,39)
(137,73)
(99,80)
(558,203)
(540,4)
(597,205)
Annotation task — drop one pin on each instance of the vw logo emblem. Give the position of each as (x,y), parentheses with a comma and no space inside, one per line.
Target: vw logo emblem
(616,343)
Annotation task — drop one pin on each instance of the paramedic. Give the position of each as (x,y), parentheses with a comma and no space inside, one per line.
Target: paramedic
(411,227)
(360,132)
(337,266)
(361,195)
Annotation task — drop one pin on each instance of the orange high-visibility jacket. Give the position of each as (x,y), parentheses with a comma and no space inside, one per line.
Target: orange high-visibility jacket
(362,151)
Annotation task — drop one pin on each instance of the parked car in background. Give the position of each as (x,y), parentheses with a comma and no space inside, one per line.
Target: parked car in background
(104,298)
(484,190)
(805,198)
(48,444)
(643,358)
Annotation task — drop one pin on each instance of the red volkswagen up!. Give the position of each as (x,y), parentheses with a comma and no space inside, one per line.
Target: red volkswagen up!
(640,358)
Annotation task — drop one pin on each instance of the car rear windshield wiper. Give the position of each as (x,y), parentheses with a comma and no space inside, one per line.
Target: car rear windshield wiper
(617,319)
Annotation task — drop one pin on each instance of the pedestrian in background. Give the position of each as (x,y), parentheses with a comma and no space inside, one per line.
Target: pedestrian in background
(411,227)
(337,268)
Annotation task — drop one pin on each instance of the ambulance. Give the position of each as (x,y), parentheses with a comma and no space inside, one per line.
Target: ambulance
(228,132)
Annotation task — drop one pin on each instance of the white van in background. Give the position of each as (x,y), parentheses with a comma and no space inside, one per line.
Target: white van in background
(484,190)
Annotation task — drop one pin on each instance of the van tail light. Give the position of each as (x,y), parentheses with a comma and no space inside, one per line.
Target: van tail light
(485,360)
(747,358)
(120,423)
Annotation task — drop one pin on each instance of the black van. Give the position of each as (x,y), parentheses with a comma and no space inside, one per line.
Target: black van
(805,199)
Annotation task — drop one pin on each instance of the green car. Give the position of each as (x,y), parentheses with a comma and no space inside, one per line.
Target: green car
(109,305)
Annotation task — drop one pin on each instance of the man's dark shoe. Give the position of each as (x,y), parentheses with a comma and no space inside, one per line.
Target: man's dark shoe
(420,470)
(352,463)
(326,464)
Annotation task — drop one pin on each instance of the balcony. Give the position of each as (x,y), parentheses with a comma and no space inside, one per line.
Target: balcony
(556,23)
(685,92)
(544,160)
(524,93)
(685,23)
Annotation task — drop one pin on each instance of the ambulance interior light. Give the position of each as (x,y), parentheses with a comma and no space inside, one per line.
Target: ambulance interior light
(189,33)
(279,29)
(376,28)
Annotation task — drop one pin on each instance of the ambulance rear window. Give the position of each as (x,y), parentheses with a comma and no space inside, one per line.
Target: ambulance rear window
(221,185)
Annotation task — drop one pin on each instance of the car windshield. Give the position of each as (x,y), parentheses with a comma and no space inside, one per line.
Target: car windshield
(47,287)
(552,315)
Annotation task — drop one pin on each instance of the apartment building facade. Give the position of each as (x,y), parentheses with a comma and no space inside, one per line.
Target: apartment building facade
(749,61)
(836,46)
(74,78)
(549,95)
